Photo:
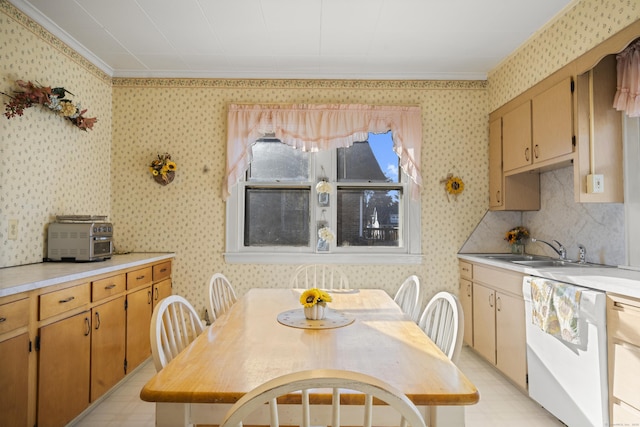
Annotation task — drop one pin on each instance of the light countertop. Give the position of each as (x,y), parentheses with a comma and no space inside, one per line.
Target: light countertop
(24,278)
(608,279)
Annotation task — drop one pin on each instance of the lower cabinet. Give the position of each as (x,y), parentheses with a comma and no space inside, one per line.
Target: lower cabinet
(107,346)
(14,380)
(64,346)
(139,306)
(64,370)
(623,317)
(498,315)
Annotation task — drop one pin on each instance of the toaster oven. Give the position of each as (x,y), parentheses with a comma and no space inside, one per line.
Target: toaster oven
(77,241)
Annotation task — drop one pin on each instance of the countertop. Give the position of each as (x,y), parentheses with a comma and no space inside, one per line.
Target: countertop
(22,278)
(608,279)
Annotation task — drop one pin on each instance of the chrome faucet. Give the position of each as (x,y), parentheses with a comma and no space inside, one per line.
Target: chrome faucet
(561,251)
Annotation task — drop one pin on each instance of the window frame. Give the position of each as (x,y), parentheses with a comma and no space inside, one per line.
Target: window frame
(323,164)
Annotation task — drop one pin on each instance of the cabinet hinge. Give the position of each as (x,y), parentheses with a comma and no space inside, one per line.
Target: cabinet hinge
(126,303)
(30,346)
(526,378)
(573,140)
(125,365)
(573,86)
(37,342)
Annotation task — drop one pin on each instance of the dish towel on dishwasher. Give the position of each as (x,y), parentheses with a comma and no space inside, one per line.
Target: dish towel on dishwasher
(555,308)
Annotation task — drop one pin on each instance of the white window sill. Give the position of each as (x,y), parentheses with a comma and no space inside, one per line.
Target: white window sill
(324,258)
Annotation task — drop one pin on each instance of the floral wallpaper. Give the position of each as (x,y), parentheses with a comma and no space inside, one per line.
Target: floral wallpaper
(584,25)
(187,118)
(49,167)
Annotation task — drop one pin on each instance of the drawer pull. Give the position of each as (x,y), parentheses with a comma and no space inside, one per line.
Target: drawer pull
(3,319)
(162,270)
(149,297)
(155,294)
(140,277)
(97,320)
(62,301)
(88,324)
(111,286)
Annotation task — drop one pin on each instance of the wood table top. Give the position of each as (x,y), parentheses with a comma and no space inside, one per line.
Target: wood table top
(248,346)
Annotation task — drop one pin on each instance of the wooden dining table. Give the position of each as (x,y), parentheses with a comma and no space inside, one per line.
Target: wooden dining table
(264,335)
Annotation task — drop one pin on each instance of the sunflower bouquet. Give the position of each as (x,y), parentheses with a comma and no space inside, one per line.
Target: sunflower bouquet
(163,169)
(314,296)
(516,234)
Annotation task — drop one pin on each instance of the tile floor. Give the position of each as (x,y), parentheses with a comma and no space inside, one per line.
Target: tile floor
(501,404)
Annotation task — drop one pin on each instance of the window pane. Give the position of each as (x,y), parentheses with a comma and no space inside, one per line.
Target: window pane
(368,217)
(372,161)
(276,217)
(273,160)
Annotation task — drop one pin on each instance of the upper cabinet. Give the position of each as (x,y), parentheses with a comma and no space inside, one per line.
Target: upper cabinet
(511,192)
(539,130)
(599,135)
(566,119)
(552,122)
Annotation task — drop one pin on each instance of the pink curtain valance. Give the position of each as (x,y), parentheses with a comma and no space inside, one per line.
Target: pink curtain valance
(321,127)
(627,97)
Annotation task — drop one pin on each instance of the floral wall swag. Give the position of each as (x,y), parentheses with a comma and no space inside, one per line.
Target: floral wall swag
(54,99)
(163,169)
(453,185)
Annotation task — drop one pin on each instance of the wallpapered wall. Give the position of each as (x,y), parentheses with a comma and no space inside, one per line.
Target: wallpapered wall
(187,118)
(48,166)
(583,26)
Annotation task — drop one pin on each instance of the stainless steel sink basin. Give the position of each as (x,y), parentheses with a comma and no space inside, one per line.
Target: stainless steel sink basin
(555,263)
(515,258)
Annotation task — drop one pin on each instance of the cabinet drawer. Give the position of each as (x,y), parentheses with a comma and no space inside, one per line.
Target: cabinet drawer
(505,280)
(623,415)
(623,319)
(161,271)
(139,277)
(64,300)
(103,288)
(14,315)
(466,270)
(626,368)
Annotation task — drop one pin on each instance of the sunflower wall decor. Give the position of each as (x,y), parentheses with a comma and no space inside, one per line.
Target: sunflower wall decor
(163,169)
(453,185)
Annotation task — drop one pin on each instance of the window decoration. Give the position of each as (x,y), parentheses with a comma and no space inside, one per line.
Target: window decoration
(453,185)
(324,189)
(54,99)
(163,169)
(627,96)
(321,127)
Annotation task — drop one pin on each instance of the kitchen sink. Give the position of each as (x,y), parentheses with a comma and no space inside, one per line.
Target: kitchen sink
(514,258)
(555,263)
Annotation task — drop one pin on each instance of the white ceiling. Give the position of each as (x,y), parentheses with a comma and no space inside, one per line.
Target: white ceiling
(332,39)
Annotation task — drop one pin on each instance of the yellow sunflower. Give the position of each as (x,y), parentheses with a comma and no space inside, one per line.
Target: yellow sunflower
(455,185)
(310,297)
(325,297)
(171,166)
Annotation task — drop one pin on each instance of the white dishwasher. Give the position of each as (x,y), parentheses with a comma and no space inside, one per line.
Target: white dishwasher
(569,379)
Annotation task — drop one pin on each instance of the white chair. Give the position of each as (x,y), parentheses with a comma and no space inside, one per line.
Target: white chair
(174,324)
(443,321)
(335,380)
(408,297)
(319,276)
(221,296)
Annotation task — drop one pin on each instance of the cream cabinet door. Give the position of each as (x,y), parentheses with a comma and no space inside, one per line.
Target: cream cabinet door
(516,137)
(484,322)
(496,194)
(511,344)
(552,122)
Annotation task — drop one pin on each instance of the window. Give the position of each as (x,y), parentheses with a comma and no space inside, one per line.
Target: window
(276,211)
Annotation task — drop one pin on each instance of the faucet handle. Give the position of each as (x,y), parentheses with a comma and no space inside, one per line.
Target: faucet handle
(582,254)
